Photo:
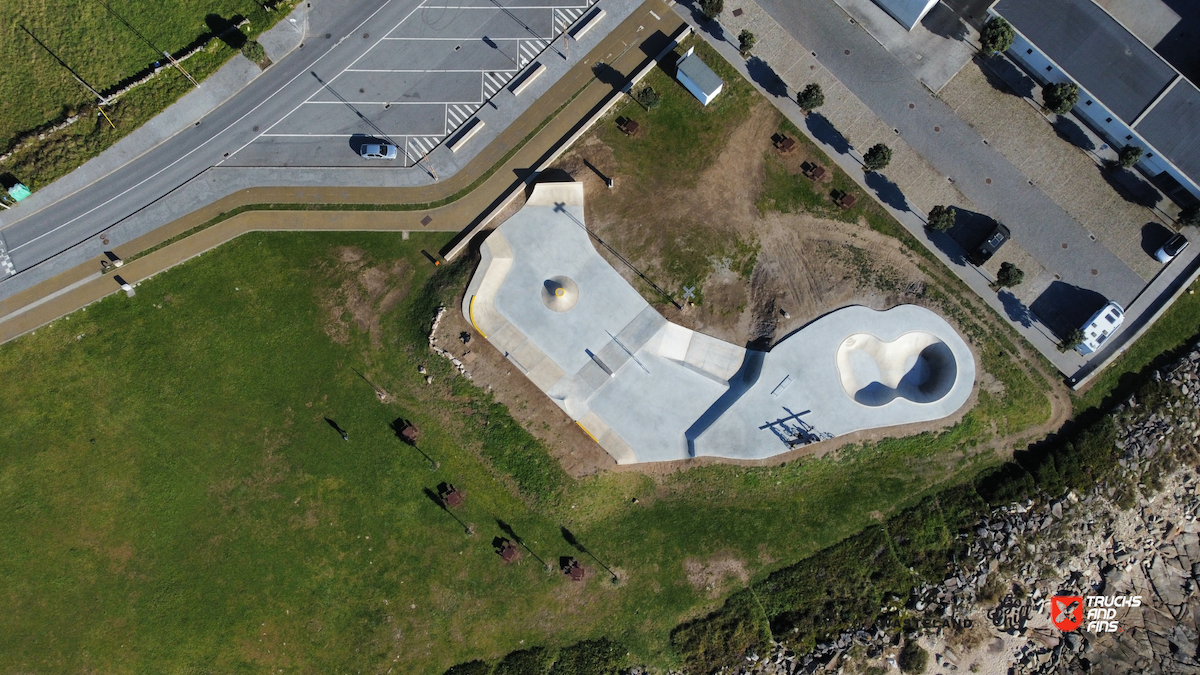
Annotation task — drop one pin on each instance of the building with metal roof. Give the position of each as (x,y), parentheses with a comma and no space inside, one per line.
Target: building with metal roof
(697,77)
(1127,92)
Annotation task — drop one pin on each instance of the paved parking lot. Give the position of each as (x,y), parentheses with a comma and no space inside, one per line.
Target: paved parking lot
(420,81)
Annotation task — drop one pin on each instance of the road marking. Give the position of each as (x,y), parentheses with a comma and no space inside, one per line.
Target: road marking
(389,103)
(193,150)
(432,70)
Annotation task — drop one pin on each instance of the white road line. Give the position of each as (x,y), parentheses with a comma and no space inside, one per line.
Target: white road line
(432,70)
(305,135)
(473,38)
(385,103)
(197,148)
(331,80)
(494,8)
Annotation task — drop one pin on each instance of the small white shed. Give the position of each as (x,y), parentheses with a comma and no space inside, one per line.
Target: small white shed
(697,77)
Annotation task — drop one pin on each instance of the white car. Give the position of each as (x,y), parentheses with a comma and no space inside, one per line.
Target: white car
(1098,328)
(1174,246)
(378,151)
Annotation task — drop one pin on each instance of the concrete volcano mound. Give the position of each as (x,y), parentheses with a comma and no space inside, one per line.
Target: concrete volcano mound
(560,293)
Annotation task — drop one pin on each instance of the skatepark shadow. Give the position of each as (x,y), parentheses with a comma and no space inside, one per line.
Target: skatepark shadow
(1069,131)
(655,44)
(1004,76)
(887,191)
(741,382)
(824,131)
(943,21)
(226,30)
(1016,310)
(766,77)
(1130,186)
(1154,236)
(1062,306)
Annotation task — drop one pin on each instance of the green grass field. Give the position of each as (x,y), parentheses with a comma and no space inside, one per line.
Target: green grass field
(93,40)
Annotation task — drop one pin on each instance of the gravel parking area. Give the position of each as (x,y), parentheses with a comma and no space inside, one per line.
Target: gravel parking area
(1073,179)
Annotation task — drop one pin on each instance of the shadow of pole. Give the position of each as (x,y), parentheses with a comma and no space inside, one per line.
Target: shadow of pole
(441,504)
(570,539)
(398,426)
(507,529)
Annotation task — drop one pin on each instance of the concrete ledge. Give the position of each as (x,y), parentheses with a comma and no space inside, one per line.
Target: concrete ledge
(582,29)
(527,79)
(473,128)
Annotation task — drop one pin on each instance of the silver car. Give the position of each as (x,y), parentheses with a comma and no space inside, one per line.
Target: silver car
(378,151)
(1174,246)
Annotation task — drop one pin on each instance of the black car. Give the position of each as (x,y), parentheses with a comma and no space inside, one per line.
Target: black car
(984,252)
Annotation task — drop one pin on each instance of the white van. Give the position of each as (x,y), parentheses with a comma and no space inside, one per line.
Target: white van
(1102,324)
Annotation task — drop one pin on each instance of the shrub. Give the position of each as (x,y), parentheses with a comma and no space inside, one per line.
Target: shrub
(1128,156)
(1190,215)
(648,97)
(712,8)
(1009,275)
(721,639)
(1071,340)
(592,657)
(811,98)
(877,157)
(1061,97)
(913,658)
(941,218)
(534,661)
(997,36)
(254,51)
(470,668)
(746,41)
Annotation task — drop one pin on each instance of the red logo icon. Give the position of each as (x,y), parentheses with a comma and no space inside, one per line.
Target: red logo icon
(1066,611)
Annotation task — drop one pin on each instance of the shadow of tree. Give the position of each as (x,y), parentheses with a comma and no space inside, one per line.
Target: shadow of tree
(226,30)
(887,191)
(766,77)
(1015,309)
(1005,77)
(1131,187)
(824,131)
(1069,131)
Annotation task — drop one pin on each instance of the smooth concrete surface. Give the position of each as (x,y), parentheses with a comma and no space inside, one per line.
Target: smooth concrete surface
(649,390)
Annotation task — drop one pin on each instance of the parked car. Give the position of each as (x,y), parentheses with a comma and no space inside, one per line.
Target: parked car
(984,252)
(1102,324)
(1174,246)
(378,151)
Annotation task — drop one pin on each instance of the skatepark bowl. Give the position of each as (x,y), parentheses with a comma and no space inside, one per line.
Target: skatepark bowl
(916,366)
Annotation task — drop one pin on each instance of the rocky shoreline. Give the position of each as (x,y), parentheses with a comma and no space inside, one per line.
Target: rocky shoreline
(991,614)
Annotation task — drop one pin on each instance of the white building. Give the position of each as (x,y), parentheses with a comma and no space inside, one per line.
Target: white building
(1127,92)
(697,77)
(908,12)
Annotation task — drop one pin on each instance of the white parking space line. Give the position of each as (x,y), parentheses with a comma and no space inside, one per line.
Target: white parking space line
(416,85)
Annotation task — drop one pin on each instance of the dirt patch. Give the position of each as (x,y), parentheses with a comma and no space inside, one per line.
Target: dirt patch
(714,573)
(575,450)
(364,292)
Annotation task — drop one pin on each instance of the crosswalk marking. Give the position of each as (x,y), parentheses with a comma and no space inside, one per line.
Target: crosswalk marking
(7,269)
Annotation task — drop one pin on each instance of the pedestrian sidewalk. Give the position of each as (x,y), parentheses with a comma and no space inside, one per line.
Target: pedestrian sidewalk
(797,66)
(278,42)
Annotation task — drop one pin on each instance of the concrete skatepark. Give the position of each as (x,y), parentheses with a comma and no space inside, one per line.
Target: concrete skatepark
(649,390)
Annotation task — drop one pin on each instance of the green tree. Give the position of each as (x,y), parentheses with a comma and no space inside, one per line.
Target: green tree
(1008,276)
(1061,97)
(997,36)
(913,658)
(648,97)
(1128,156)
(746,41)
(1190,215)
(877,157)
(254,51)
(1071,340)
(712,8)
(811,98)
(941,218)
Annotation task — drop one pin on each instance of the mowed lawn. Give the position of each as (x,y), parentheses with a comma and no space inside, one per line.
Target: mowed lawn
(89,37)
(172,498)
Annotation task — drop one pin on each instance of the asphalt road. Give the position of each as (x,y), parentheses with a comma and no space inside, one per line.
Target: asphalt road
(409,71)
(998,188)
